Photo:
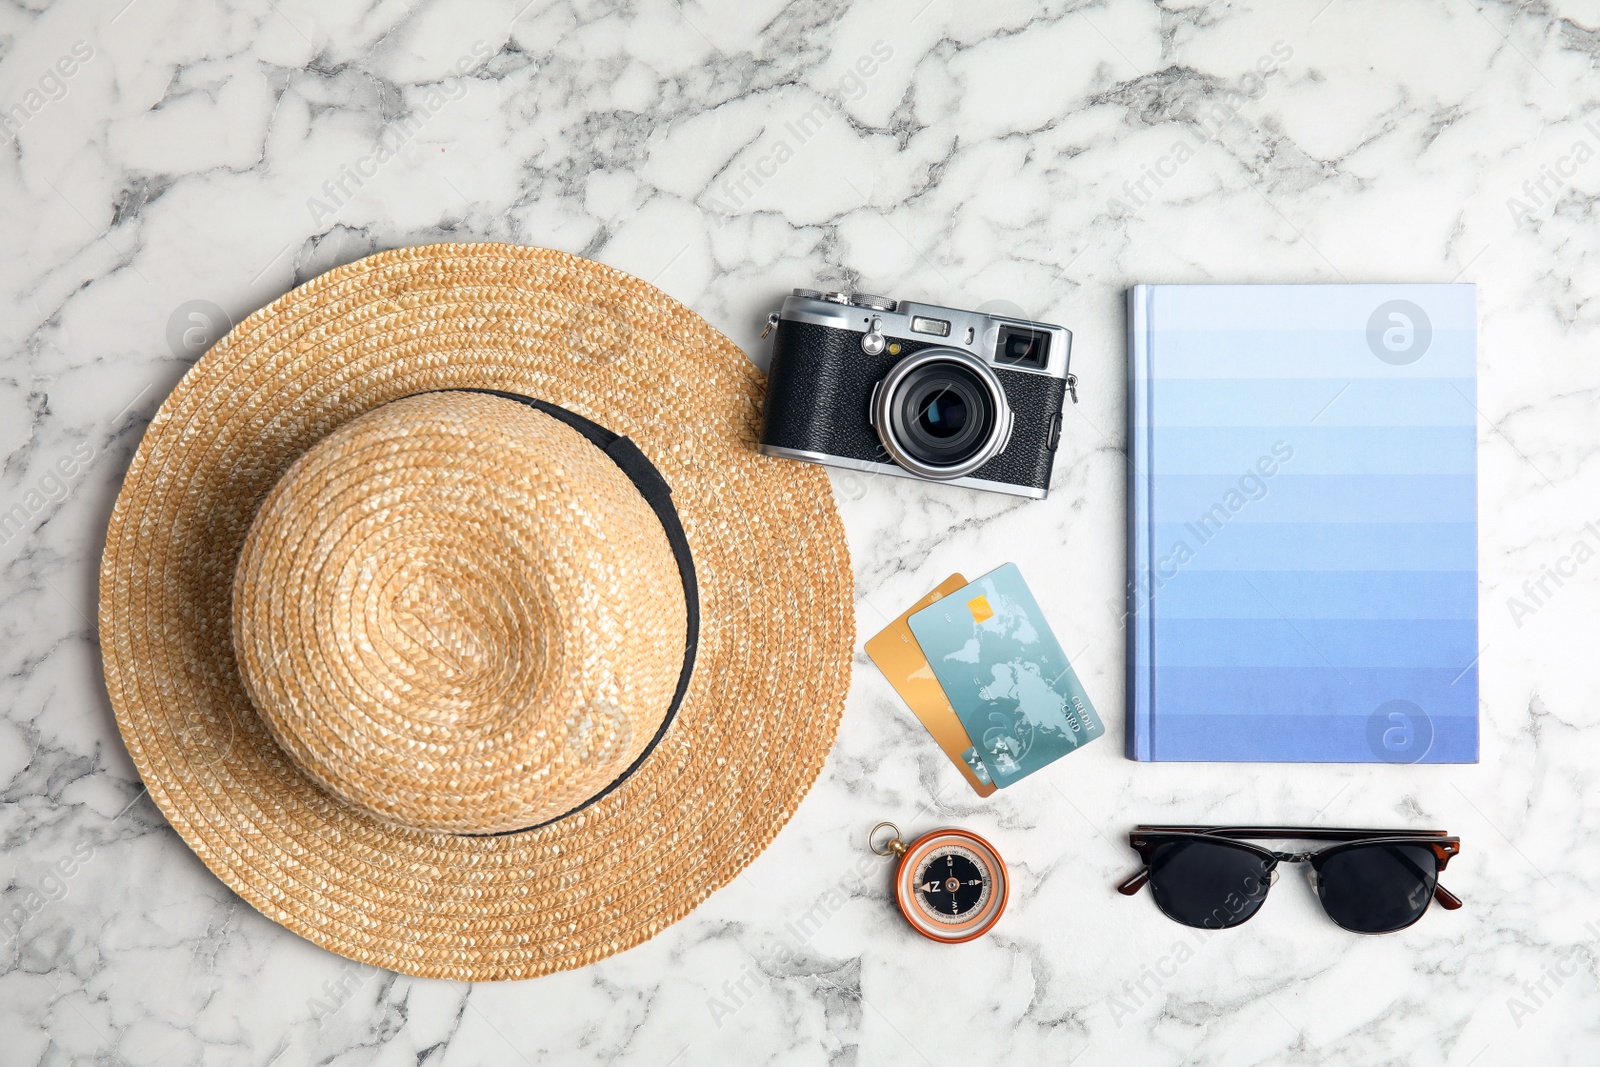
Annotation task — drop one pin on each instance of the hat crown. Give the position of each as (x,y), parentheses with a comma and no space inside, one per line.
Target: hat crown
(458,614)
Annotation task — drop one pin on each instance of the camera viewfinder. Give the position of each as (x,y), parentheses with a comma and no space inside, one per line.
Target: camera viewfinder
(1020,347)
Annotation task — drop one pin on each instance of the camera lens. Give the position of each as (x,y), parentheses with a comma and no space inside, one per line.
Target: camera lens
(941,414)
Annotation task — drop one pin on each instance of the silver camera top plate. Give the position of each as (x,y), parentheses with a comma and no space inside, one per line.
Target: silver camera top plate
(968,331)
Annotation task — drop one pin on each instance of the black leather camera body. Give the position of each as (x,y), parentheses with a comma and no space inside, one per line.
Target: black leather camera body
(916,391)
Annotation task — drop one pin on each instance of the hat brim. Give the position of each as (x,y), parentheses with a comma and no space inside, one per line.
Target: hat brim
(776,623)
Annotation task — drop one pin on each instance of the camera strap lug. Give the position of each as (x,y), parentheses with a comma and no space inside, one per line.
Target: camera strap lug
(772,321)
(1072,383)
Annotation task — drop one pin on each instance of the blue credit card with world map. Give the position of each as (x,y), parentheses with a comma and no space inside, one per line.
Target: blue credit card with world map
(1003,671)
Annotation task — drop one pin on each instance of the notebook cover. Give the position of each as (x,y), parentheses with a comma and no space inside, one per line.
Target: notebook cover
(1302,574)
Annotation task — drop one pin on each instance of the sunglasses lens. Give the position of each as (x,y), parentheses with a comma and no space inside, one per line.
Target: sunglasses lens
(1209,884)
(1373,889)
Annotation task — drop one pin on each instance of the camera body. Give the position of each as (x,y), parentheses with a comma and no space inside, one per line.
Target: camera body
(916,391)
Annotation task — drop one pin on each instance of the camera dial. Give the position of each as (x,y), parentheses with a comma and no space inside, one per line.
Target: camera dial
(941,413)
(872,342)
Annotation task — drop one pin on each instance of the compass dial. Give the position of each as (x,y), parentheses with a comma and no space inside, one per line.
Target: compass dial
(951,885)
(951,882)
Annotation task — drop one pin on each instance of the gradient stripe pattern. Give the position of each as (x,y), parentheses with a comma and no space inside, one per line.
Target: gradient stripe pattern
(1303,523)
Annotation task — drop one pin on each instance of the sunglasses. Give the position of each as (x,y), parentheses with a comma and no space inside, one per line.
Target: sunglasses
(1372,882)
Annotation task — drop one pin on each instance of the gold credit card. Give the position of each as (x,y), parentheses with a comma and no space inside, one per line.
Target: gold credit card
(900,658)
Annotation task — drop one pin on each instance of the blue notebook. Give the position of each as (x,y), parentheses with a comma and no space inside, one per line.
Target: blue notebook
(1302,542)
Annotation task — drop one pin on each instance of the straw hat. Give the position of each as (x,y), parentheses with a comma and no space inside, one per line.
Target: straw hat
(451,616)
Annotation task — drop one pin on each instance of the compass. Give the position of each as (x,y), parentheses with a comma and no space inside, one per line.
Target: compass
(951,885)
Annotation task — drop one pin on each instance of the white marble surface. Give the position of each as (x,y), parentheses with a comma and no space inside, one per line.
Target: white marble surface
(203,157)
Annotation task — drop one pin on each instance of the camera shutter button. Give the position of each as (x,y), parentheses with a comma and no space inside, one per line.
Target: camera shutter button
(872,342)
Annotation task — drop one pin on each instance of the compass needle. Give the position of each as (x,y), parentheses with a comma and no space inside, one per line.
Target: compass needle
(951,885)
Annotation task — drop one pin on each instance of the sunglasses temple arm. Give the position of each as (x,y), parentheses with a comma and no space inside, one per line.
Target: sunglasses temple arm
(1447,900)
(1136,883)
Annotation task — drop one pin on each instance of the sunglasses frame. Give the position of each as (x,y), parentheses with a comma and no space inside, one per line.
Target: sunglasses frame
(1146,839)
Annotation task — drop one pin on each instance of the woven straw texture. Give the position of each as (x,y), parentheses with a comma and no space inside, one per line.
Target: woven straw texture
(749,739)
(458,614)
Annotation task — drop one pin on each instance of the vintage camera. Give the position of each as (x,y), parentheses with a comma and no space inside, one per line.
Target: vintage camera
(918,391)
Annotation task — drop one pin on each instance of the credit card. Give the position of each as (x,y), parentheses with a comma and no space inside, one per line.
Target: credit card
(1003,671)
(899,657)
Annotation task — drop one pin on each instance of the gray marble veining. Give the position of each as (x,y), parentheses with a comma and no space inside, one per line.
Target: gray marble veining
(167,166)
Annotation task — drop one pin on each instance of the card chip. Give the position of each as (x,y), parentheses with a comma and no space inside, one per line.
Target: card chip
(979,606)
